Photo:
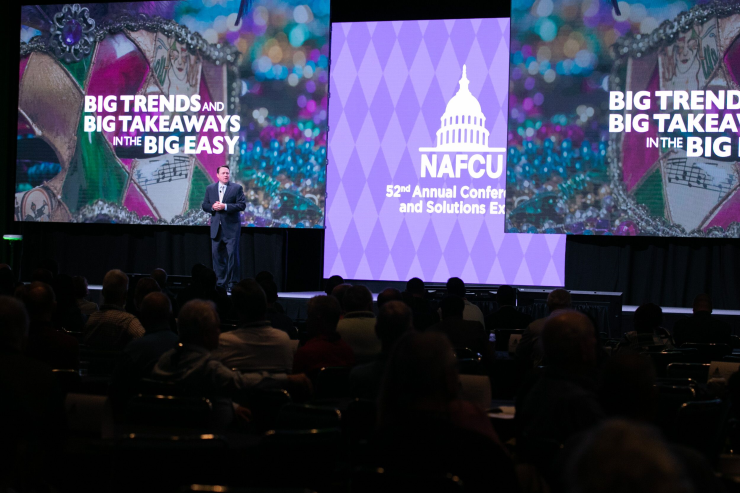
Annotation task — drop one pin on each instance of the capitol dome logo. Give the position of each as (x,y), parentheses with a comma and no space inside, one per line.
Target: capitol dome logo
(462,132)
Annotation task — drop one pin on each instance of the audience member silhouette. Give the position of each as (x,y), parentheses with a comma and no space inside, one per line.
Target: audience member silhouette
(192,366)
(67,314)
(255,345)
(620,456)
(529,348)
(507,316)
(456,287)
(204,287)
(112,327)
(278,319)
(45,342)
(648,330)
(81,293)
(145,286)
(42,275)
(423,427)
(332,283)
(155,315)
(564,401)
(338,292)
(160,275)
(357,327)
(702,326)
(394,320)
(32,417)
(7,280)
(415,296)
(389,294)
(325,346)
(462,333)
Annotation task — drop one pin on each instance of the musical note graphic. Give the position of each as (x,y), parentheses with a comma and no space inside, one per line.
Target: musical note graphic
(702,175)
(165,170)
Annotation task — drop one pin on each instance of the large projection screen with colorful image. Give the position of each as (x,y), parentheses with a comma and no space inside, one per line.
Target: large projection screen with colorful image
(127,110)
(624,123)
(417,143)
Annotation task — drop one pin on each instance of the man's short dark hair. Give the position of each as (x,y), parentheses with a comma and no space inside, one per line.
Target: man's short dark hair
(332,283)
(703,303)
(357,299)
(250,300)
(415,286)
(452,306)
(456,287)
(389,294)
(648,317)
(506,295)
(394,319)
(264,276)
(218,170)
(322,315)
(155,311)
(39,299)
(270,288)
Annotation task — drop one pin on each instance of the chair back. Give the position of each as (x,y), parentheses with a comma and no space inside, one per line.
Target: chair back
(663,358)
(67,380)
(503,336)
(709,351)
(169,410)
(670,399)
(701,425)
(359,419)
(695,371)
(376,480)
(331,383)
(469,362)
(307,417)
(98,363)
(265,405)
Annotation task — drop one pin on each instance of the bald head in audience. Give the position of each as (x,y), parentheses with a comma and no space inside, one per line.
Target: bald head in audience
(155,312)
(14,329)
(569,340)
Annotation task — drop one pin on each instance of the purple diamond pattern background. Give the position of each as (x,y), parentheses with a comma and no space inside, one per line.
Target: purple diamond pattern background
(390,84)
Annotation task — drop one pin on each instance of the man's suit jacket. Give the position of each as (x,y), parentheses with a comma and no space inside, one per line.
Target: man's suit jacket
(229,218)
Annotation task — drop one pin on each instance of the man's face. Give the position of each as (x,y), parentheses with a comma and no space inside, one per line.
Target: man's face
(223,175)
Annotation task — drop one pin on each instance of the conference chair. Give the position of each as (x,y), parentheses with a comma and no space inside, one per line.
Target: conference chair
(209,488)
(469,362)
(701,425)
(359,419)
(307,416)
(265,405)
(169,411)
(695,371)
(67,380)
(709,351)
(504,335)
(670,399)
(662,359)
(331,383)
(299,459)
(374,480)
(98,363)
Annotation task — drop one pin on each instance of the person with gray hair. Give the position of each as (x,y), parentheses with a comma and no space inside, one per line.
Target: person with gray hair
(112,327)
(564,400)
(529,348)
(191,365)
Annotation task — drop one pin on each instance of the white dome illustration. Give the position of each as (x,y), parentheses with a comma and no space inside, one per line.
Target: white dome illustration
(463,123)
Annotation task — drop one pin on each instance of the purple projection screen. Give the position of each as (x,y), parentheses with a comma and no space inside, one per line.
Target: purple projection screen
(416,172)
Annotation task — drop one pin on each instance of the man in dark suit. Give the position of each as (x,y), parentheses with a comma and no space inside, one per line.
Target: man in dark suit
(224,201)
(507,316)
(702,327)
(462,333)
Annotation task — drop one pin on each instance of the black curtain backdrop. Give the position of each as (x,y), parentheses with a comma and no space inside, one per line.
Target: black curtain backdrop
(667,271)
(92,250)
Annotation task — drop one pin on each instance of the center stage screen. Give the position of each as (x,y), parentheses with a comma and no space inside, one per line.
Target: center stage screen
(415,184)
(126,111)
(624,123)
